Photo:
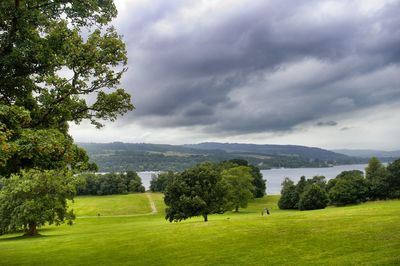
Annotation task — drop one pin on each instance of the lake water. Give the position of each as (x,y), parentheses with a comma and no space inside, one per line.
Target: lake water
(275,177)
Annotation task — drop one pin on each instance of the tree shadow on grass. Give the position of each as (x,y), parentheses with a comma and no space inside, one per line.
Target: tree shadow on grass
(30,238)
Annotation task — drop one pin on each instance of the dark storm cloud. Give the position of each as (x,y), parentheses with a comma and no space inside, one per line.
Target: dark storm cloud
(260,65)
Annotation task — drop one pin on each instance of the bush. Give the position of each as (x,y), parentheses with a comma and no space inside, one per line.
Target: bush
(349,187)
(289,196)
(314,197)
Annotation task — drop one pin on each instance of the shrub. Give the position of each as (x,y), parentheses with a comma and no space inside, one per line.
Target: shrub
(314,197)
(289,196)
(349,187)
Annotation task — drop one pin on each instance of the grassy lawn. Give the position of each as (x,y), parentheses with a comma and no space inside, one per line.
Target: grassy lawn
(111,205)
(366,234)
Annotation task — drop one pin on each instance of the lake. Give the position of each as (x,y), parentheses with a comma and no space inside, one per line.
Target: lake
(275,177)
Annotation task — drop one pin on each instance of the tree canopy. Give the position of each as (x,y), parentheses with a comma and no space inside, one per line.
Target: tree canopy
(376,176)
(32,198)
(110,183)
(51,75)
(60,62)
(240,186)
(289,196)
(159,182)
(349,187)
(314,197)
(196,191)
(393,179)
(307,194)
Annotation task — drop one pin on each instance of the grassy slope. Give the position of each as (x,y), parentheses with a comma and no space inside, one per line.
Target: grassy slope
(111,205)
(362,234)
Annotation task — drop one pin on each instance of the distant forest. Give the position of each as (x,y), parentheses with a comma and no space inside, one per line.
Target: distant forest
(120,157)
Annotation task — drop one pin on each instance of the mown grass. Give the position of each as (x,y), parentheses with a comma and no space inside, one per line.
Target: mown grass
(366,234)
(111,205)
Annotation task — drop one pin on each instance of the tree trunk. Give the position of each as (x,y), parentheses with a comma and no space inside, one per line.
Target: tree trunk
(237,209)
(32,229)
(205,217)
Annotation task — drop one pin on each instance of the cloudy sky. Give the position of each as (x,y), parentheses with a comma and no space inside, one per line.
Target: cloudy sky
(316,73)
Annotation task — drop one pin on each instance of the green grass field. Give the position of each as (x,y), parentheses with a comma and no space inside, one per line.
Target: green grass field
(111,205)
(366,234)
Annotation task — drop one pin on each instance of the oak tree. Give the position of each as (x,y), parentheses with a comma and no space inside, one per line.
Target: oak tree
(60,63)
(196,191)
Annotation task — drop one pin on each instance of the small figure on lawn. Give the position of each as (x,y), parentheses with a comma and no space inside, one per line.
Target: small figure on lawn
(265,211)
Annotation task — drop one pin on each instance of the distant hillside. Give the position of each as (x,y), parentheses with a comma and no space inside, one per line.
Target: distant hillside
(118,156)
(369,153)
(283,150)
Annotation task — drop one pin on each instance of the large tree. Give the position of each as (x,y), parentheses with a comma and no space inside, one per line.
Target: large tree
(33,198)
(240,186)
(52,74)
(259,182)
(196,191)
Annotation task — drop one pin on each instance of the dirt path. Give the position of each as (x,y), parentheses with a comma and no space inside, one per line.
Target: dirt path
(152,206)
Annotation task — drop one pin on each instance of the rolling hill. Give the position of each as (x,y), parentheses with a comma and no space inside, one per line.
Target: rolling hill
(119,156)
(369,153)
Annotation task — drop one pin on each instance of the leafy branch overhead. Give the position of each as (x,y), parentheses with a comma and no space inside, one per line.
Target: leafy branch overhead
(59,63)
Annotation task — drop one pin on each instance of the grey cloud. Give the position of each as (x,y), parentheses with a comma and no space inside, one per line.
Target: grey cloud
(326,124)
(220,70)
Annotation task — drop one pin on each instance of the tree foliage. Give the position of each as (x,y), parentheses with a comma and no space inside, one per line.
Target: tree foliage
(289,196)
(196,191)
(307,194)
(240,186)
(33,198)
(110,183)
(51,75)
(349,187)
(376,176)
(259,182)
(48,71)
(158,183)
(393,179)
(314,197)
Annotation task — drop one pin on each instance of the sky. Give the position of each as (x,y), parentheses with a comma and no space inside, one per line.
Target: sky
(315,73)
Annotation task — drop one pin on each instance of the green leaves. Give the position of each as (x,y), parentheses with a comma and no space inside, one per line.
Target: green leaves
(197,191)
(240,187)
(36,197)
(49,76)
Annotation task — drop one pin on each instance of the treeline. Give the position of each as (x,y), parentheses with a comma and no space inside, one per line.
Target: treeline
(110,183)
(209,188)
(349,187)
